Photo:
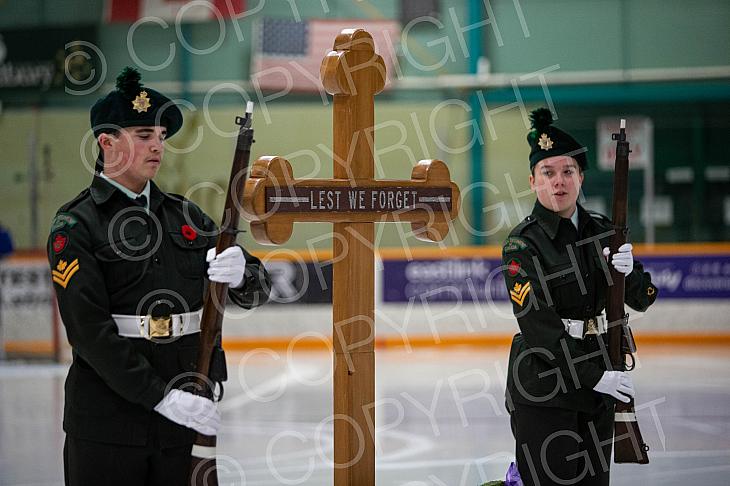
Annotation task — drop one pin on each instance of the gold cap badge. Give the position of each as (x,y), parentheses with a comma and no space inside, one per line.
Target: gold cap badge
(545,143)
(141,102)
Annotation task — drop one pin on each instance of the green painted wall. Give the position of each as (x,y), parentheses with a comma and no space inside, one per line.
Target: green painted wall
(37,13)
(610,34)
(299,131)
(523,37)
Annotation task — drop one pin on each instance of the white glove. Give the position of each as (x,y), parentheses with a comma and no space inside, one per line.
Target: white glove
(192,411)
(618,384)
(228,267)
(623,259)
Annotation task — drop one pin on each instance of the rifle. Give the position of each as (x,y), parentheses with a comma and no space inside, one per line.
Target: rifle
(628,445)
(211,368)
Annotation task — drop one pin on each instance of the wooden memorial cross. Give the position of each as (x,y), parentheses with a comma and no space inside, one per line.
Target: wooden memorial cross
(353,201)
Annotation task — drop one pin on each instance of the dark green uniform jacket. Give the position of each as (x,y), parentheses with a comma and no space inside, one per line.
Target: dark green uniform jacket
(553,271)
(108,256)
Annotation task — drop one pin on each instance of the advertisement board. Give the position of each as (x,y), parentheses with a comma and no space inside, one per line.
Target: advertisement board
(480,279)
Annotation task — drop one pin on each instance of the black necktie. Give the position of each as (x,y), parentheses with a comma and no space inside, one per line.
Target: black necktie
(141,201)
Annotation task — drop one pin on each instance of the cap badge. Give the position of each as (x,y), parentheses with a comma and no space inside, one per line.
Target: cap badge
(141,102)
(545,143)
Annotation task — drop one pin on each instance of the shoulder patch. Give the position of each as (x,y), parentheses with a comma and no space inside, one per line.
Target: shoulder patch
(513,267)
(60,241)
(63,220)
(513,243)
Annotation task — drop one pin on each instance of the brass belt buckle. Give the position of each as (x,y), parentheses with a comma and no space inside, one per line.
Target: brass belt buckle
(160,327)
(591,326)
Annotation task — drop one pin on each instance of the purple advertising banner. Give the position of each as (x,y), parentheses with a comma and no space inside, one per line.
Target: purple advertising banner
(480,279)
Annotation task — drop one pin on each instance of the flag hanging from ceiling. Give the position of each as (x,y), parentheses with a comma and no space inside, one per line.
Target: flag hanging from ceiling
(287,54)
(418,9)
(194,10)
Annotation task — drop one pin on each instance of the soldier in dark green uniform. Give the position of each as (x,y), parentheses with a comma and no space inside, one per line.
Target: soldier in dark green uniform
(559,394)
(129,263)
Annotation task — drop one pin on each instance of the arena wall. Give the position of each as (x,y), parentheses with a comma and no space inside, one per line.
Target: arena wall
(305,320)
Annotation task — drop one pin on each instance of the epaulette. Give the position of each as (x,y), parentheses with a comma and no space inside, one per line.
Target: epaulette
(601,218)
(73,202)
(186,203)
(513,242)
(529,219)
(179,198)
(63,217)
(175,197)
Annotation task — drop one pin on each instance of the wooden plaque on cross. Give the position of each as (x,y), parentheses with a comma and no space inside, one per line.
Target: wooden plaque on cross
(353,200)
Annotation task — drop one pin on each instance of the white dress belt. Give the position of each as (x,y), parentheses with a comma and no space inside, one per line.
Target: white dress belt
(149,327)
(578,328)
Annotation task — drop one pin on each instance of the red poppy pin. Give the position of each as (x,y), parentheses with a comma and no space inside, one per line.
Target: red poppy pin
(513,267)
(188,232)
(59,242)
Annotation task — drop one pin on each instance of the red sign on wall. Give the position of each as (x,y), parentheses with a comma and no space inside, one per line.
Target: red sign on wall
(640,134)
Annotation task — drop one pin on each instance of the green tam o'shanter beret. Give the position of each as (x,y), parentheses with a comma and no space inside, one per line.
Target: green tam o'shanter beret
(131,105)
(548,141)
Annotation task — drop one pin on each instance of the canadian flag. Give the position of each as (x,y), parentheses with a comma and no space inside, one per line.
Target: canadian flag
(188,10)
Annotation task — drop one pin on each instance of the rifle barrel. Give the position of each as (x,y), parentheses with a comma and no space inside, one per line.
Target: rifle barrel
(629,446)
(203,470)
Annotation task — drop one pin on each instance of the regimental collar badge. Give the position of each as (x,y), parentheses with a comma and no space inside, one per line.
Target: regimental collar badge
(545,143)
(141,102)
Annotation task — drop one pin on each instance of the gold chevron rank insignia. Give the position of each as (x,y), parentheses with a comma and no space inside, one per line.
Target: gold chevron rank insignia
(64,271)
(519,292)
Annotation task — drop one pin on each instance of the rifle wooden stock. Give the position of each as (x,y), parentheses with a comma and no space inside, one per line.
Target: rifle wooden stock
(628,445)
(203,470)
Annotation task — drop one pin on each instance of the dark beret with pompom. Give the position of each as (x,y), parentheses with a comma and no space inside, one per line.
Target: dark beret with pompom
(133,105)
(546,140)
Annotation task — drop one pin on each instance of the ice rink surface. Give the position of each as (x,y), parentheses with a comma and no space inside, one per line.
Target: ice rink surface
(440,418)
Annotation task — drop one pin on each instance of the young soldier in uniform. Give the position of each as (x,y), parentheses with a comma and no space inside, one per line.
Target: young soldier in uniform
(559,394)
(129,265)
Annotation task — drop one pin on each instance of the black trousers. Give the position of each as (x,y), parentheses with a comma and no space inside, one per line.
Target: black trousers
(555,446)
(91,463)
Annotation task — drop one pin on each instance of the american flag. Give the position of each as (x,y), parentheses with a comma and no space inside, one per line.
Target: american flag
(287,53)
(199,11)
